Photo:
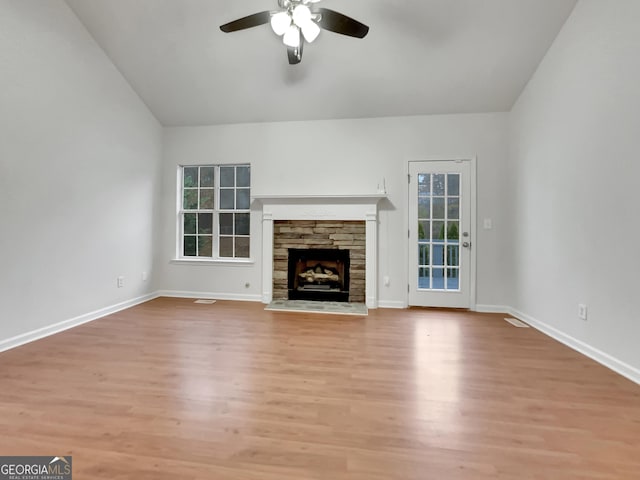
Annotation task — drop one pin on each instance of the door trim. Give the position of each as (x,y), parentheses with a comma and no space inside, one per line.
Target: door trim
(472,159)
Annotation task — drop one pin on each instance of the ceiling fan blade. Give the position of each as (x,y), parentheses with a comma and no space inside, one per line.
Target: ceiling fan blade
(249,21)
(295,54)
(338,23)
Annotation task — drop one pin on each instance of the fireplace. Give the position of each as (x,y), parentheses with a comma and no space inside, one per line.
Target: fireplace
(318,274)
(336,209)
(302,246)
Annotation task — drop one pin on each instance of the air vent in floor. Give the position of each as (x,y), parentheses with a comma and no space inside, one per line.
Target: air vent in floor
(205,301)
(516,323)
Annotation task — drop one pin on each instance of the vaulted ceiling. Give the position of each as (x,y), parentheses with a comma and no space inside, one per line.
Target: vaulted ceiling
(420,57)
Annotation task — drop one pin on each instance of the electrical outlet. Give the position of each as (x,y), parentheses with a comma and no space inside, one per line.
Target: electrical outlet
(386,281)
(144,276)
(582,311)
(120,282)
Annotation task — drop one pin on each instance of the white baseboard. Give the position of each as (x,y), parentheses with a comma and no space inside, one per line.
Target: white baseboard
(391,304)
(493,309)
(209,295)
(605,359)
(70,323)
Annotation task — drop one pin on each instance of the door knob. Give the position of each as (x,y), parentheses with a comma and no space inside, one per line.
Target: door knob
(466,244)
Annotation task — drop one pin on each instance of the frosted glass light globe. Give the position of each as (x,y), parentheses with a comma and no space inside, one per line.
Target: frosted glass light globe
(301,15)
(310,31)
(292,37)
(280,23)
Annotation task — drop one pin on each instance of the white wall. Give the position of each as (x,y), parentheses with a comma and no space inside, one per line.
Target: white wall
(79,173)
(342,157)
(575,172)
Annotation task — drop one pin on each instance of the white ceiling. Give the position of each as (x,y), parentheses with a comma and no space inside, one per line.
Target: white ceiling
(420,57)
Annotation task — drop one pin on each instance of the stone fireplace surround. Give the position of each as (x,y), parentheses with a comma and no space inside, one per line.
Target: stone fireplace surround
(321,207)
(327,236)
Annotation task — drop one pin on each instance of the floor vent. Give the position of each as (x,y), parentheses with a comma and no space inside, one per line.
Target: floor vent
(205,301)
(516,323)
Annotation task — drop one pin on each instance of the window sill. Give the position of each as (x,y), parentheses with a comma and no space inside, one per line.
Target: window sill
(208,261)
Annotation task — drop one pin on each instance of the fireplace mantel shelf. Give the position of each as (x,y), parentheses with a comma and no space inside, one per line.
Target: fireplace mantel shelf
(323,199)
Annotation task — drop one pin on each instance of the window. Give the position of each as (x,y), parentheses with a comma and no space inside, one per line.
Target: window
(214,211)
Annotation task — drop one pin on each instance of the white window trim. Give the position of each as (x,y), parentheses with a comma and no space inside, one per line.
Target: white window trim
(203,261)
(180,258)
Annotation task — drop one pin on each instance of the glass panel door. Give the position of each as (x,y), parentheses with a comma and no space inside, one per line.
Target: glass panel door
(439,233)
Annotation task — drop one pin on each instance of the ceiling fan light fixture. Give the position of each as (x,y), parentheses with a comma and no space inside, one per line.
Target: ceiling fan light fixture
(298,24)
(292,37)
(280,23)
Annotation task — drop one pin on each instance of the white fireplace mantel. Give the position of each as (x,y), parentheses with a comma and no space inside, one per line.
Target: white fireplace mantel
(321,207)
(366,198)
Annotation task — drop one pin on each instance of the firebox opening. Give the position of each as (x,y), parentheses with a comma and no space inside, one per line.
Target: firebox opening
(318,274)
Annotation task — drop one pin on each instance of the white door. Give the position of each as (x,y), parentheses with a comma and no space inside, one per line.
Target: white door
(440,233)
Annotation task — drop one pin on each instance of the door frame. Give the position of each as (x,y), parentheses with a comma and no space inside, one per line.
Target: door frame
(472,159)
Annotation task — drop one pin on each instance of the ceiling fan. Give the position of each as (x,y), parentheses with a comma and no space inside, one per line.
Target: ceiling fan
(298,22)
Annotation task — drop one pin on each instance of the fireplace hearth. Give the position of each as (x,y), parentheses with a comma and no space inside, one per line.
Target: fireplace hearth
(318,274)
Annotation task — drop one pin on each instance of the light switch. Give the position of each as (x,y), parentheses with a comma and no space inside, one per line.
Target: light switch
(488,224)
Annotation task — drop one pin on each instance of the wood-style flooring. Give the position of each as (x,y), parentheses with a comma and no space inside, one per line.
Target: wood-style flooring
(176,390)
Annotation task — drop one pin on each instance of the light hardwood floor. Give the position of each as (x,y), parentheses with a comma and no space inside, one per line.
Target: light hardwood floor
(175,390)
